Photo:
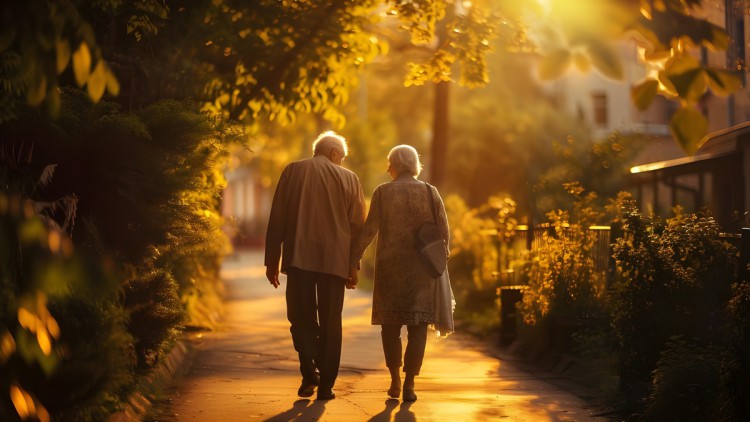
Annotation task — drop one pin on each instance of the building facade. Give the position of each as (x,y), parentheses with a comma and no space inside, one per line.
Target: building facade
(717,177)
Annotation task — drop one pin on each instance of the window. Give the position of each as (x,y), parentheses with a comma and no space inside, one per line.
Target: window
(599,100)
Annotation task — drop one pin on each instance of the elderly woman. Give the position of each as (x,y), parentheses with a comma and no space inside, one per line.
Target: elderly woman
(404,293)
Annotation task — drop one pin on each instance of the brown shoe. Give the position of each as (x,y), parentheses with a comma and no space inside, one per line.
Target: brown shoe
(307,388)
(326,395)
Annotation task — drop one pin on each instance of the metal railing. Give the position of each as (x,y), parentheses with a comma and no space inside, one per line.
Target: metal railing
(513,248)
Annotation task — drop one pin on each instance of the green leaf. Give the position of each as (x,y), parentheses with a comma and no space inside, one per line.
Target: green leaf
(97,82)
(604,57)
(82,64)
(554,64)
(63,55)
(690,85)
(724,82)
(644,93)
(688,127)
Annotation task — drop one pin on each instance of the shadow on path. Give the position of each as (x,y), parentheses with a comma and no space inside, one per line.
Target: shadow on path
(404,413)
(303,410)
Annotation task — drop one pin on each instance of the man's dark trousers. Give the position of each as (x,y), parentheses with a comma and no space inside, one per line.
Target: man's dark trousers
(314,302)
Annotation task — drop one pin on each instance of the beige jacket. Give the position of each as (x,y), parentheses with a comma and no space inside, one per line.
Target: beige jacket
(317,210)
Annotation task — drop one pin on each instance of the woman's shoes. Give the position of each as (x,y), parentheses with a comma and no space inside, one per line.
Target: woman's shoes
(409,388)
(394,392)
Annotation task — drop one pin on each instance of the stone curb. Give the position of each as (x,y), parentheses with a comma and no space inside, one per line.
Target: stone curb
(176,362)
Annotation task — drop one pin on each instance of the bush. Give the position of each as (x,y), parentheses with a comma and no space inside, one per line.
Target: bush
(64,345)
(674,279)
(670,318)
(154,313)
(562,277)
(735,391)
(685,383)
(147,186)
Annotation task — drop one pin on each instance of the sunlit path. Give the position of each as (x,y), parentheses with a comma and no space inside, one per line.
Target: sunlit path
(247,370)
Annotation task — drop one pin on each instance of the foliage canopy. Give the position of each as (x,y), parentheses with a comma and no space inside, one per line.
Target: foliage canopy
(276,59)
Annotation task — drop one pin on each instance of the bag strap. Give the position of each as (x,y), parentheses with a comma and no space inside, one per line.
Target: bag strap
(432,202)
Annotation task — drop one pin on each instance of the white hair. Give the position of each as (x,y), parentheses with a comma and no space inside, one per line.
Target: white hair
(405,159)
(328,141)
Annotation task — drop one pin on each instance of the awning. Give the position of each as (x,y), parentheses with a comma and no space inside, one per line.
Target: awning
(714,145)
(644,168)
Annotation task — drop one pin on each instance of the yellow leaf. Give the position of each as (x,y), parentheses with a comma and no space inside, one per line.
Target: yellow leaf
(554,64)
(42,414)
(643,94)
(7,346)
(44,342)
(26,319)
(720,39)
(63,55)
(52,327)
(19,402)
(681,63)
(82,64)
(666,84)
(688,126)
(690,85)
(724,82)
(54,241)
(97,82)
(605,59)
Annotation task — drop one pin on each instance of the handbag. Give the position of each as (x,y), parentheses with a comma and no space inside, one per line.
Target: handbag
(430,243)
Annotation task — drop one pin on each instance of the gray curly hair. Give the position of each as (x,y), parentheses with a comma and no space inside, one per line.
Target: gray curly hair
(405,159)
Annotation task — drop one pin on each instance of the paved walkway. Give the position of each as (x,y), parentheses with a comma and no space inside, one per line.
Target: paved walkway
(247,370)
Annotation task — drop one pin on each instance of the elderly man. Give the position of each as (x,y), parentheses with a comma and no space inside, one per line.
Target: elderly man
(317,210)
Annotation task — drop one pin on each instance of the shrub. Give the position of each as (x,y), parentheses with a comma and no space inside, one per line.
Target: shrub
(64,343)
(674,279)
(154,313)
(669,312)
(147,187)
(685,382)
(735,379)
(562,276)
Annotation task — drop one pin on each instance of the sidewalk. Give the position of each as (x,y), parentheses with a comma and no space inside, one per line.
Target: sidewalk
(247,370)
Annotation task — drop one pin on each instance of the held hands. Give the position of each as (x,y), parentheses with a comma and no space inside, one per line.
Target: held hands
(272,274)
(353,279)
(273,277)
